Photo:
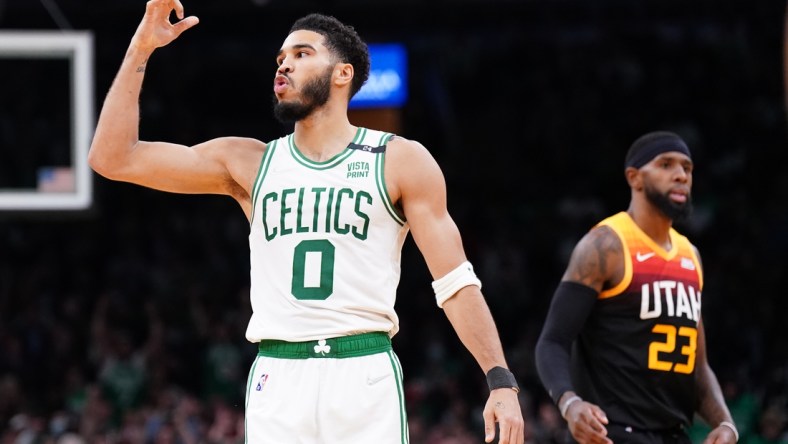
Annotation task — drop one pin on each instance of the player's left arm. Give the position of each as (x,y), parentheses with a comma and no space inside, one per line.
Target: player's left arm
(711,402)
(416,182)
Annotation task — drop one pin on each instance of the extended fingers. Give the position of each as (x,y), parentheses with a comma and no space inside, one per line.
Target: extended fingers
(588,425)
(178,9)
(594,424)
(588,433)
(185,24)
(599,414)
(511,430)
(503,408)
(153,5)
(489,423)
(164,7)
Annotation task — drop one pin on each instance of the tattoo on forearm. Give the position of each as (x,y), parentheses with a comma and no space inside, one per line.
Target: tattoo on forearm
(144,64)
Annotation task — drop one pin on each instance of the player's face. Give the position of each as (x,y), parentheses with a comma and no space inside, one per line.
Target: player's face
(303,77)
(314,94)
(667,182)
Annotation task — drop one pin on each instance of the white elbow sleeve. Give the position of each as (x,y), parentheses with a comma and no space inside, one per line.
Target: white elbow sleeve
(453,281)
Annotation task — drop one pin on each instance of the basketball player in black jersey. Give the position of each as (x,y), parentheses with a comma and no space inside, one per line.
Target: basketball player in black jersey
(622,351)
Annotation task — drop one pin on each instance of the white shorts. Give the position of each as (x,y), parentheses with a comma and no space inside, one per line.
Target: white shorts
(339,390)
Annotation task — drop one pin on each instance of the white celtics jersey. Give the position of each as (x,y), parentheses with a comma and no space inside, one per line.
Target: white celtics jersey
(325,243)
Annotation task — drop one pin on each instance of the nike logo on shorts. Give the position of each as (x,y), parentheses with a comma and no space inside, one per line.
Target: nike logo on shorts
(373,381)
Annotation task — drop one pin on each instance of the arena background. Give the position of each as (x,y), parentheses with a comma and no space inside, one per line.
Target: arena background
(124,323)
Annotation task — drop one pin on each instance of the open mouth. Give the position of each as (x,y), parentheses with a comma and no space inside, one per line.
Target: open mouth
(280,84)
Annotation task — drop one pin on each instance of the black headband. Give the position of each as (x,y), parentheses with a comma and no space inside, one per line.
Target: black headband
(653,144)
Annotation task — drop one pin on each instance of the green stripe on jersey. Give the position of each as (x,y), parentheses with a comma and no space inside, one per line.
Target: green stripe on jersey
(258,181)
(380,161)
(332,162)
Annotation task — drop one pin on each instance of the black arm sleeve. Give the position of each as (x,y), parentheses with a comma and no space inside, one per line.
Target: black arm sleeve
(571,305)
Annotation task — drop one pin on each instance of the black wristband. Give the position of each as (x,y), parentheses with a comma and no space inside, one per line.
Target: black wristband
(499,377)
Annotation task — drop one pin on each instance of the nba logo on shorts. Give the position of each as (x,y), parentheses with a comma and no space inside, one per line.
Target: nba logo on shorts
(261,381)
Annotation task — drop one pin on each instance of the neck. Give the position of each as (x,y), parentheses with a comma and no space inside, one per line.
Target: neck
(652,222)
(323,134)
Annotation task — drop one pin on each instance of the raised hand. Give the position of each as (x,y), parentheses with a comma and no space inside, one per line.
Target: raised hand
(156,30)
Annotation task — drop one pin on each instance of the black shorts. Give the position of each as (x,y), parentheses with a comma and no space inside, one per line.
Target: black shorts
(622,434)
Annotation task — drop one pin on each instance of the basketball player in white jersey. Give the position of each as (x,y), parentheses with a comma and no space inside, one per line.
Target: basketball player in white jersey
(329,207)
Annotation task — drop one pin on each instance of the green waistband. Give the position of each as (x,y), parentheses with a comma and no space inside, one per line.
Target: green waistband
(341,347)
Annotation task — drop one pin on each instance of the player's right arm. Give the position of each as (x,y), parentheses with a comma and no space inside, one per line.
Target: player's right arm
(597,260)
(596,263)
(116,151)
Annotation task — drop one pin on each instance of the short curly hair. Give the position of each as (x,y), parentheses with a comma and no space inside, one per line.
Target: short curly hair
(344,43)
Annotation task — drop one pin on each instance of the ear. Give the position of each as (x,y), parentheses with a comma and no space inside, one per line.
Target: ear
(343,74)
(634,178)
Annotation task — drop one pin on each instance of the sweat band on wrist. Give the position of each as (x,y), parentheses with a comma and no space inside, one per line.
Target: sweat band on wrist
(570,401)
(730,425)
(449,285)
(499,377)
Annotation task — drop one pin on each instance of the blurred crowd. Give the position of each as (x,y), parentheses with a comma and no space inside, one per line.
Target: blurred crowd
(125,324)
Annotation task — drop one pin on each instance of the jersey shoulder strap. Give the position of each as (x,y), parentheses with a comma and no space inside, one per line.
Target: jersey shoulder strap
(620,224)
(371,141)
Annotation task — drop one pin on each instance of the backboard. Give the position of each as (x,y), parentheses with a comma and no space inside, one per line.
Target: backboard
(46,119)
